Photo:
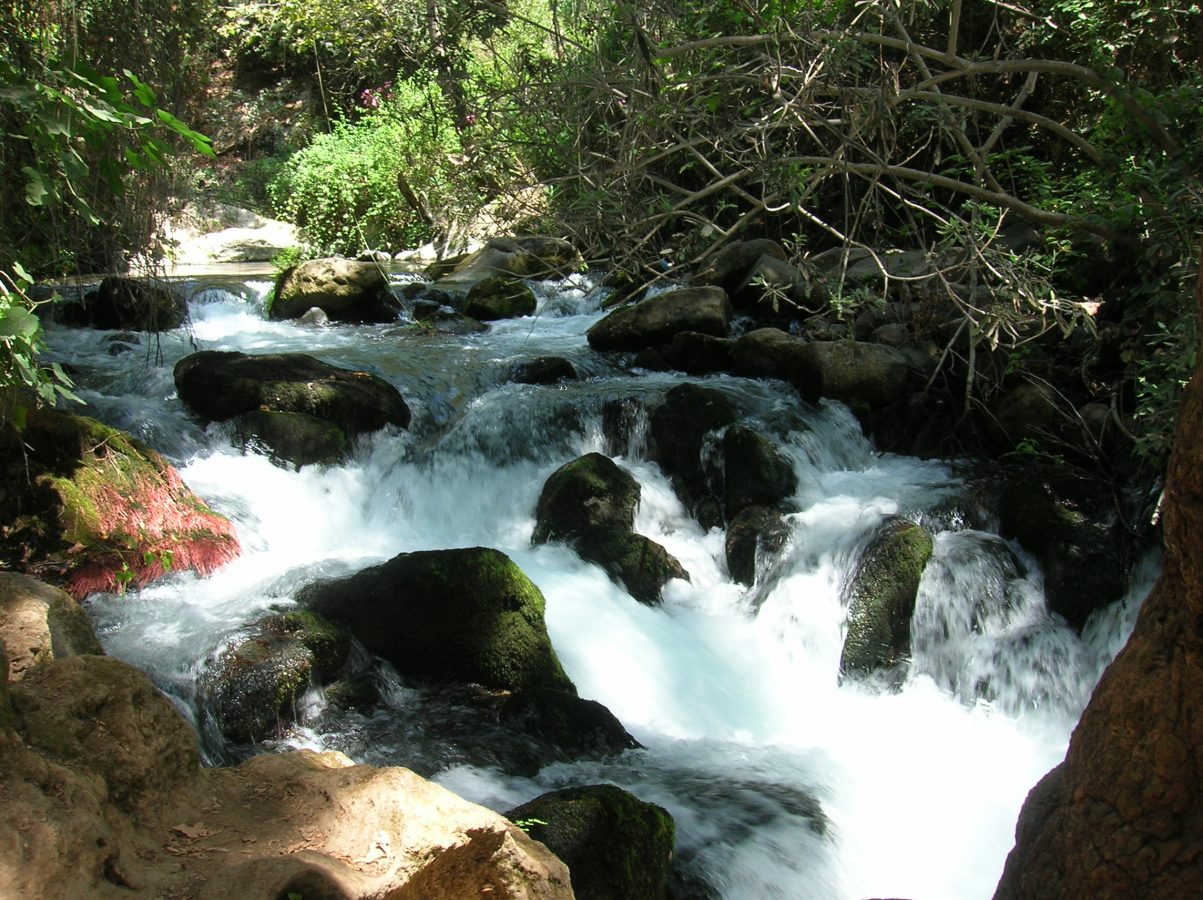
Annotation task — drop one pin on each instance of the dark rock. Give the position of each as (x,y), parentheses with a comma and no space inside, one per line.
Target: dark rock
(882,598)
(575,728)
(697,354)
(679,428)
(1026,413)
(291,437)
(425,307)
(465,615)
(624,424)
(616,846)
(757,530)
(499,297)
(543,370)
(851,372)
(220,385)
(657,320)
(347,291)
(590,490)
(641,565)
(772,290)
(755,473)
(358,693)
(768,353)
(728,267)
(1072,526)
(126,304)
(448,322)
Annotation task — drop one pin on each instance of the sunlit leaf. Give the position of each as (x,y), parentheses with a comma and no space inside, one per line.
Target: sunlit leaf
(35,186)
(18,322)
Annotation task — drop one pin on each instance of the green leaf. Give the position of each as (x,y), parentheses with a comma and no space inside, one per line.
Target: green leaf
(35,186)
(18,322)
(21,273)
(201,143)
(144,93)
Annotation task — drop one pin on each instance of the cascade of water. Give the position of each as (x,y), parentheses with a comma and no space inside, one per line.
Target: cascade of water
(783,781)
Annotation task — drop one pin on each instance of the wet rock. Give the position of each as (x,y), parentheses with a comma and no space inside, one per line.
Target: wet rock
(543,370)
(637,562)
(852,372)
(315,316)
(728,268)
(768,353)
(755,531)
(617,847)
(499,297)
(40,623)
(697,354)
(772,290)
(127,304)
(755,473)
(680,428)
(220,385)
(1072,526)
(589,490)
(882,598)
(624,425)
(294,438)
(346,290)
(573,727)
(100,509)
(465,615)
(657,320)
(253,688)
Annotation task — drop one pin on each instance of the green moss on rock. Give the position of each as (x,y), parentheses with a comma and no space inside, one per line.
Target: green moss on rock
(500,297)
(641,565)
(616,846)
(589,490)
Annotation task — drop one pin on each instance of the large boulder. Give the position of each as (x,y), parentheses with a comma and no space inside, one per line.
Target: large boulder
(637,562)
(680,427)
(756,532)
(617,847)
(100,510)
(347,291)
(772,290)
(589,490)
(690,352)
(128,304)
(40,623)
(292,438)
(220,385)
(105,796)
(768,353)
(466,615)
(882,598)
(1072,526)
(499,297)
(853,372)
(728,267)
(527,256)
(755,473)
(656,320)
(254,685)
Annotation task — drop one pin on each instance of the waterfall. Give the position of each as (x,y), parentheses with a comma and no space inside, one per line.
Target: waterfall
(784,781)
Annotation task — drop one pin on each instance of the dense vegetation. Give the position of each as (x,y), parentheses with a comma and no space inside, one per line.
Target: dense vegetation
(1044,154)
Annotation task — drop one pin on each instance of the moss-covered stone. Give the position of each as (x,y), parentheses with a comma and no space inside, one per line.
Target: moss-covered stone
(617,847)
(756,530)
(255,684)
(500,297)
(464,615)
(754,472)
(679,428)
(328,643)
(101,507)
(590,490)
(655,321)
(290,437)
(346,290)
(883,594)
(637,562)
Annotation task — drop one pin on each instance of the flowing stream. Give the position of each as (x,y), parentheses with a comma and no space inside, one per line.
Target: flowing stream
(784,783)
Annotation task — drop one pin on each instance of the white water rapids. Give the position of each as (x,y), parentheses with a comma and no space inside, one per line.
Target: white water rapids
(783,782)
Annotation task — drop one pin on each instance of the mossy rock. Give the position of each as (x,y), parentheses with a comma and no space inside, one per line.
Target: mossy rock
(129,304)
(291,437)
(500,297)
(346,290)
(883,594)
(464,615)
(637,562)
(102,508)
(543,370)
(755,472)
(756,531)
(655,321)
(590,490)
(616,846)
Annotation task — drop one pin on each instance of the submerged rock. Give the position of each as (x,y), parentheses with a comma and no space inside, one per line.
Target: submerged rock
(882,598)
(100,509)
(754,531)
(655,321)
(574,727)
(543,370)
(347,291)
(589,490)
(617,847)
(465,615)
(499,297)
